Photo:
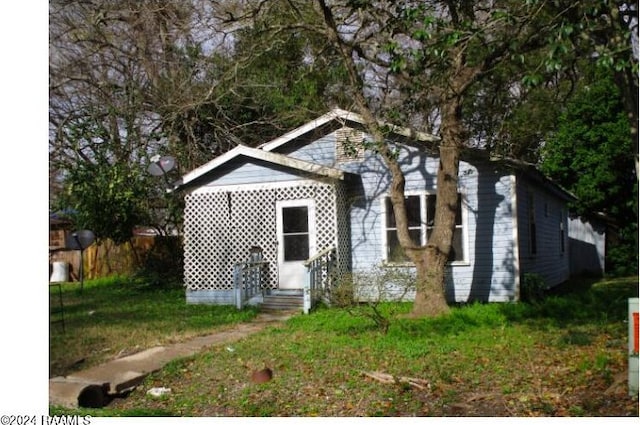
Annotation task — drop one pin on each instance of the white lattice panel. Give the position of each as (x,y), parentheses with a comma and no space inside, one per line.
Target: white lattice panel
(343,232)
(222,225)
(204,224)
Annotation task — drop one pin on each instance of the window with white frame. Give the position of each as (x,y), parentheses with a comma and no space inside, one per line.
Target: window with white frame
(421,209)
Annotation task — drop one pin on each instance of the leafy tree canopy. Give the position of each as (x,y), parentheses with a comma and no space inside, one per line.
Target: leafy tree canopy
(107,198)
(591,154)
(282,78)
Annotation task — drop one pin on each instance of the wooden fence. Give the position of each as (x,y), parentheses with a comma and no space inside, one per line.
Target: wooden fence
(107,258)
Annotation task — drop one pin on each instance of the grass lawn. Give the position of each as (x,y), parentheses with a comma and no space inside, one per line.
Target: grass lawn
(564,356)
(114,317)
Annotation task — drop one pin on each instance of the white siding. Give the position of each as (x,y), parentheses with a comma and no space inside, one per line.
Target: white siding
(489,271)
(320,151)
(586,247)
(549,261)
(253,171)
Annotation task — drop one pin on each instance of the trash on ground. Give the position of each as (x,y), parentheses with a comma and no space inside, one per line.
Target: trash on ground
(159,391)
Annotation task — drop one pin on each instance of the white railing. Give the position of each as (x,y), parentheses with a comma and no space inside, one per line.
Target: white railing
(248,279)
(318,279)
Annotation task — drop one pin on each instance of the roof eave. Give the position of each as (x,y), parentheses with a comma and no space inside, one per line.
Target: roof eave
(273,158)
(535,174)
(311,125)
(341,114)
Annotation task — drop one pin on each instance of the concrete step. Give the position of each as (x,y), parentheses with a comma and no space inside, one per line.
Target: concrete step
(282,302)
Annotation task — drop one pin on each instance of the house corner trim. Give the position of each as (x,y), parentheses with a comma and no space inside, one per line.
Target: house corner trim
(516,241)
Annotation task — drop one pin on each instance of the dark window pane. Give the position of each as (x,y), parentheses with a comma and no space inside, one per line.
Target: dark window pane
(533,242)
(295,220)
(431,209)
(391,217)
(456,253)
(395,253)
(413,210)
(412,203)
(296,247)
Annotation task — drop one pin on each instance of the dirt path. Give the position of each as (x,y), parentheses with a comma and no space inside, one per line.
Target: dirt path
(98,385)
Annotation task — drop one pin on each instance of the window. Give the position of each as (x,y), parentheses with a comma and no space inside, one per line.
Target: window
(295,233)
(562,235)
(533,242)
(395,253)
(421,210)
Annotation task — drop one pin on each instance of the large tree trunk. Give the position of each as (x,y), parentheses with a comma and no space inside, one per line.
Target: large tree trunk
(431,266)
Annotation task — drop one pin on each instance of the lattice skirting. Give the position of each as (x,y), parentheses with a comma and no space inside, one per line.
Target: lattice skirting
(222,224)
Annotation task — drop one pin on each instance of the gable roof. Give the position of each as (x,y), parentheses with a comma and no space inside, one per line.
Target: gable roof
(341,115)
(265,152)
(271,157)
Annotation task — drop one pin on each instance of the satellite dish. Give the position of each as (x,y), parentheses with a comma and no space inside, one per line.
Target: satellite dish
(161,165)
(80,239)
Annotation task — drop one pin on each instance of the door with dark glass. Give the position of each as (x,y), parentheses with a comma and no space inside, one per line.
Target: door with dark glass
(296,240)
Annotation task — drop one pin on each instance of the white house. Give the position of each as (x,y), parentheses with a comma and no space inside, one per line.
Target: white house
(316,193)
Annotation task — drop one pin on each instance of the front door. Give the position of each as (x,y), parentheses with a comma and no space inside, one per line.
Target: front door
(296,240)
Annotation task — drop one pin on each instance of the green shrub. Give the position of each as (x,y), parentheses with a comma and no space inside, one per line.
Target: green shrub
(163,263)
(532,288)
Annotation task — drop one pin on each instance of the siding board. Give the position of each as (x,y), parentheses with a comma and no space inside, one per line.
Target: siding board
(246,172)
(548,261)
(586,246)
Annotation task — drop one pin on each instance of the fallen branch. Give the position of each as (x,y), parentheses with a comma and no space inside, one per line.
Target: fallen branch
(386,378)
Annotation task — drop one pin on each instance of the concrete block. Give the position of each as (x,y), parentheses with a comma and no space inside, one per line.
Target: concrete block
(74,393)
